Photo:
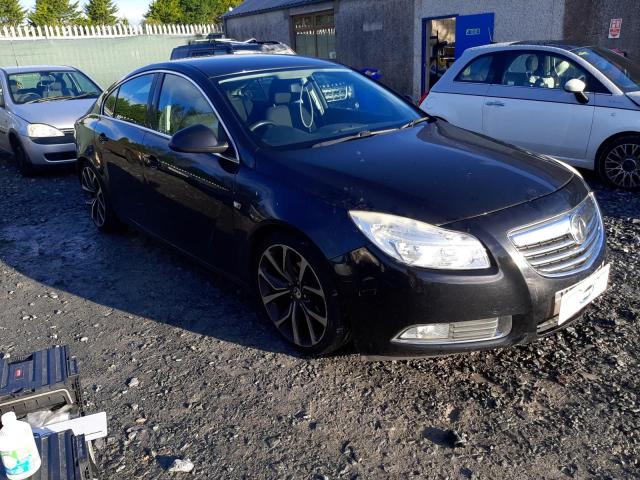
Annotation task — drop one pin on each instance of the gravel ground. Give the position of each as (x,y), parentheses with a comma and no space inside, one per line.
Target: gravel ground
(216,385)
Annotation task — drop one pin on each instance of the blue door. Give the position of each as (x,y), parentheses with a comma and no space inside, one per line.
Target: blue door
(473,30)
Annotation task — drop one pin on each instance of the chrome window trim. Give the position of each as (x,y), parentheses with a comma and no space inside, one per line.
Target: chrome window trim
(235,159)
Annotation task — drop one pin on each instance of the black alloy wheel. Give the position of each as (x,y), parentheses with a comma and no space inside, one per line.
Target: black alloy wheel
(298,295)
(619,163)
(101,213)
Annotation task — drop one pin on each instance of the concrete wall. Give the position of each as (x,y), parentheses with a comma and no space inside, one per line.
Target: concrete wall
(104,59)
(265,26)
(514,20)
(588,21)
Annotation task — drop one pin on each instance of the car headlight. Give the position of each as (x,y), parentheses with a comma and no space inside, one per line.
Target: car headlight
(421,245)
(39,130)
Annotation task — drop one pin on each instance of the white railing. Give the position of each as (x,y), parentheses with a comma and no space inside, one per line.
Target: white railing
(29,32)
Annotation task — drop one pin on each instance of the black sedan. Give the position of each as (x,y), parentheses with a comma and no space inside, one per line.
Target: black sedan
(351,214)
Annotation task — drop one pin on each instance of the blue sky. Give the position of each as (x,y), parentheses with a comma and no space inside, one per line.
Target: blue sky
(132,9)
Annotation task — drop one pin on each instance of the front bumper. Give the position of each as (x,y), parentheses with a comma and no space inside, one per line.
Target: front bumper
(383,297)
(50,151)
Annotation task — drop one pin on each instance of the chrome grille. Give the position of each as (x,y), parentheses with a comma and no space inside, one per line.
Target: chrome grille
(565,244)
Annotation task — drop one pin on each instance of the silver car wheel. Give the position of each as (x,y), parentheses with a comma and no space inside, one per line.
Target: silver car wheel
(93,189)
(622,165)
(292,295)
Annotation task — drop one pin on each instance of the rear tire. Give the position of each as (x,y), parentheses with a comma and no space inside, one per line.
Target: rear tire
(297,294)
(23,162)
(619,163)
(102,213)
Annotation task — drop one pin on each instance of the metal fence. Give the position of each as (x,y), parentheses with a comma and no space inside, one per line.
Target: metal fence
(104,53)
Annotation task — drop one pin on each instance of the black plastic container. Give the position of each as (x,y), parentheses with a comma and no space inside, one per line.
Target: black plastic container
(45,380)
(64,457)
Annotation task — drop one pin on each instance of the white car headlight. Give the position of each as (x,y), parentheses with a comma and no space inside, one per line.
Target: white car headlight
(421,245)
(40,130)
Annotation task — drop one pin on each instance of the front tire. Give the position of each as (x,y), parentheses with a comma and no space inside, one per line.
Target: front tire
(298,295)
(23,162)
(102,213)
(619,163)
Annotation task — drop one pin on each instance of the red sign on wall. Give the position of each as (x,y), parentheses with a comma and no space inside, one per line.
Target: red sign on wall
(615,27)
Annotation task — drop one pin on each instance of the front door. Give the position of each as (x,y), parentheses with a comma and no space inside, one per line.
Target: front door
(191,194)
(529,107)
(119,138)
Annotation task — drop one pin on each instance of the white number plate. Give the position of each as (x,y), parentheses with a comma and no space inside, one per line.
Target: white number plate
(574,299)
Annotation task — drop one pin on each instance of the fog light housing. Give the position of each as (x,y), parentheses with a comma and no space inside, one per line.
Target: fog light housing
(456,332)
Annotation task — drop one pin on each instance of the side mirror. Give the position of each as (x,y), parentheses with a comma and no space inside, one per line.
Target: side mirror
(197,139)
(577,87)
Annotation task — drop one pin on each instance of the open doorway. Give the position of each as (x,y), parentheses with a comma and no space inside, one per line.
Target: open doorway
(445,38)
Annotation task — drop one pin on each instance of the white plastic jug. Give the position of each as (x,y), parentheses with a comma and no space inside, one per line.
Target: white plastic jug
(18,449)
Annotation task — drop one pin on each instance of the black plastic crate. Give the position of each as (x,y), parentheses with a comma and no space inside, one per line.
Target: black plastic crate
(44,380)
(64,457)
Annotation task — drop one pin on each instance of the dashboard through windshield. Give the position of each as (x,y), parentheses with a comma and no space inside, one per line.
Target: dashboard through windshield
(50,85)
(306,107)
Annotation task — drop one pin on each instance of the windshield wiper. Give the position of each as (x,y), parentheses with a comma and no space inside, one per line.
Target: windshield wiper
(63,97)
(415,122)
(362,134)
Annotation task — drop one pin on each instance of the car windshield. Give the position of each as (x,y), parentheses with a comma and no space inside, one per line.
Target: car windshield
(311,107)
(51,85)
(620,70)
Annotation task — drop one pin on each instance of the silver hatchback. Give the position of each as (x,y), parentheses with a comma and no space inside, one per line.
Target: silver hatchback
(38,108)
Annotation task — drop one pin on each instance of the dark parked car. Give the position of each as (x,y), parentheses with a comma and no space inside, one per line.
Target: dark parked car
(351,214)
(218,46)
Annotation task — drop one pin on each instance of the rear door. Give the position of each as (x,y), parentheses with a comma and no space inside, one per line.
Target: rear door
(119,136)
(191,194)
(528,106)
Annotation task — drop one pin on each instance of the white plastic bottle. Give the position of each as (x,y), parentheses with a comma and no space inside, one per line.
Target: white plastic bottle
(18,449)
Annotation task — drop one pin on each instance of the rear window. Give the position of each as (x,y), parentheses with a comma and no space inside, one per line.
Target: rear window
(478,70)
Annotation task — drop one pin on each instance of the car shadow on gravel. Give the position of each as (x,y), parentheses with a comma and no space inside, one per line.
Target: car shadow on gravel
(47,235)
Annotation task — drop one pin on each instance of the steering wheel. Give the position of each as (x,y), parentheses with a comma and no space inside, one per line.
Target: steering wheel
(262,123)
(27,97)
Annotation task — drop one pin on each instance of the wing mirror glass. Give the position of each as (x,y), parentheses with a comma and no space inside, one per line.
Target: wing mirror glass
(197,139)
(577,87)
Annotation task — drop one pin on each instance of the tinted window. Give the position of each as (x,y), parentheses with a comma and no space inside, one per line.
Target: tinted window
(182,105)
(540,69)
(110,103)
(132,100)
(479,70)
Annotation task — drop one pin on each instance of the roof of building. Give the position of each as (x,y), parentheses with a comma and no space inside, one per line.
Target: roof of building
(251,7)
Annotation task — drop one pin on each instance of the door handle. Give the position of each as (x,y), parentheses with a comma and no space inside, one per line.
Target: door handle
(102,139)
(151,161)
(494,103)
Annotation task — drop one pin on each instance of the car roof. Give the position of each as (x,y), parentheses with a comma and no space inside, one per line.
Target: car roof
(561,44)
(36,68)
(222,65)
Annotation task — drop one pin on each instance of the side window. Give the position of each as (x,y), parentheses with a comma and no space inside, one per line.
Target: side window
(182,105)
(541,70)
(132,100)
(110,103)
(478,70)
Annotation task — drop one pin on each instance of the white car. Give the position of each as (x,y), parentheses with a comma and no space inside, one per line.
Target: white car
(579,104)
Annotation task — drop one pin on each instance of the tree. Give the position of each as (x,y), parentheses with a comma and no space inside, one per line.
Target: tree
(164,11)
(11,13)
(101,12)
(220,7)
(55,12)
